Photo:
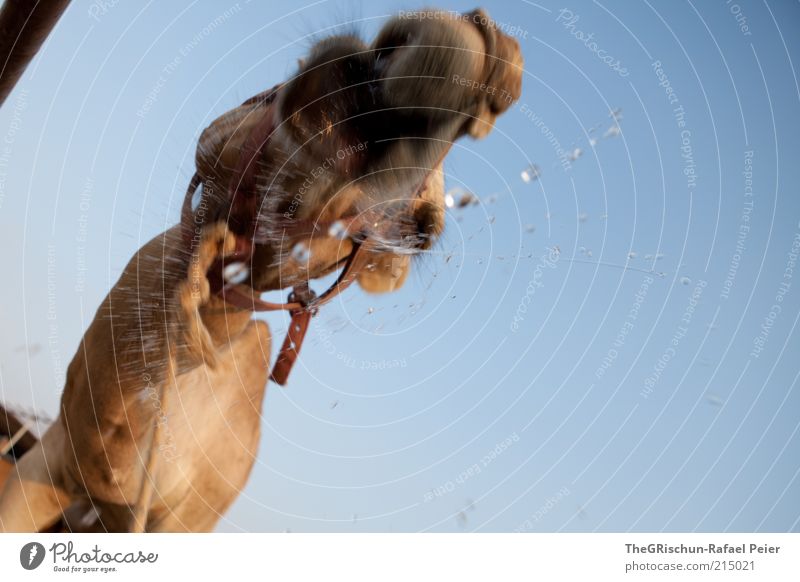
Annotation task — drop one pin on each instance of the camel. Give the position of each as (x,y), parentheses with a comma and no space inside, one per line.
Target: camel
(159,420)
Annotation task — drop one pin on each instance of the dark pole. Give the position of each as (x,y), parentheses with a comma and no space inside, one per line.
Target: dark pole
(24,24)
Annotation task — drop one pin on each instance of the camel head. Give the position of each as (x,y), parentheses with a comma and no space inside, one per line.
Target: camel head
(363,128)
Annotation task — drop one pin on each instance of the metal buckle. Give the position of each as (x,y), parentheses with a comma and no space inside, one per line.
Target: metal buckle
(305,296)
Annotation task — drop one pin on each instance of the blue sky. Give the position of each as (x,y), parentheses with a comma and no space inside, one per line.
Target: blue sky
(476,398)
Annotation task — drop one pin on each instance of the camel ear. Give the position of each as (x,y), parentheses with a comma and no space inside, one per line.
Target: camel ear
(504,63)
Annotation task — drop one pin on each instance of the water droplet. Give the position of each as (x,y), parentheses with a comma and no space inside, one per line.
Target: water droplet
(575,154)
(589,253)
(371,310)
(686,281)
(583,216)
(530,173)
(592,142)
(301,253)
(633,255)
(714,399)
(338,230)
(235,273)
(467,199)
(613,131)
(449,201)
(530,227)
(582,250)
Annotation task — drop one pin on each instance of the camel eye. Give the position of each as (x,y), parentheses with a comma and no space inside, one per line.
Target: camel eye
(384,53)
(388,45)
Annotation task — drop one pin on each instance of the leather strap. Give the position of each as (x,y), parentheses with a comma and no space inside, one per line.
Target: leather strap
(290,350)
